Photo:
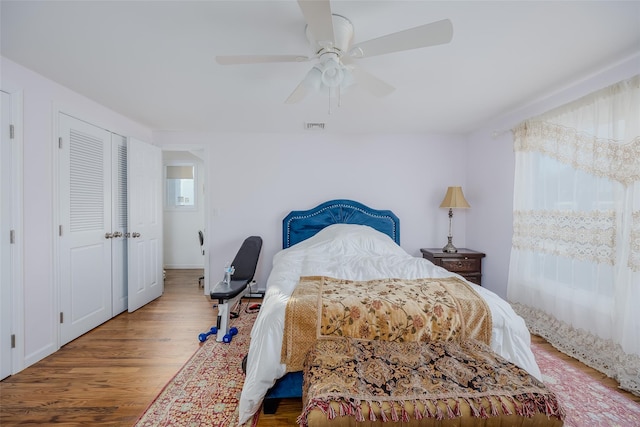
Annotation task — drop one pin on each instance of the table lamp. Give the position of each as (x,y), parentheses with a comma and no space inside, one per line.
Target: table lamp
(453,199)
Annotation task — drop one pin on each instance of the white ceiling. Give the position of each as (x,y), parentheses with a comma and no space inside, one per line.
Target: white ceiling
(154,61)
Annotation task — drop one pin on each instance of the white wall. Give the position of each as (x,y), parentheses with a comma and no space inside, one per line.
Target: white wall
(180,227)
(491,167)
(256,179)
(42,99)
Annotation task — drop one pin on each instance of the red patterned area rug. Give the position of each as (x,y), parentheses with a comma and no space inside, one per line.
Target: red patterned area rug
(586,402)
(206,390)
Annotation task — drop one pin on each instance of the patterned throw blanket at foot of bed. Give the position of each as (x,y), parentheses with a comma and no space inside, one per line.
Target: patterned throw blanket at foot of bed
(420,384)
(402,310)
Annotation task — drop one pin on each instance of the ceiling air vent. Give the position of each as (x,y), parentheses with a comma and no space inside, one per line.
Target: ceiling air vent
(314,126)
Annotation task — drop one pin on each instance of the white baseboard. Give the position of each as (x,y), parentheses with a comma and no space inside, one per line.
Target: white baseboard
(182,267)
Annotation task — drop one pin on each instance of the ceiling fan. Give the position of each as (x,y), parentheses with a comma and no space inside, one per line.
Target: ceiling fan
(330,36)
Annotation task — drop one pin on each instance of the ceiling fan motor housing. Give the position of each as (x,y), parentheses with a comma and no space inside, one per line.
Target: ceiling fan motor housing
(342,33)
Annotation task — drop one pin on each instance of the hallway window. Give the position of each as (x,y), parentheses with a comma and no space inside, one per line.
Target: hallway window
(180,185)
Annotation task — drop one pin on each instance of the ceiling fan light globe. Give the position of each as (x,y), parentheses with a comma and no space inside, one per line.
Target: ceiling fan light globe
(348,79)
(332,76)
(313,79)
(332,71)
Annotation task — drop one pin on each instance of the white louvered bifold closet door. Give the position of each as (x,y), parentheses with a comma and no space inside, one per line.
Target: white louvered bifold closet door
(85,227)
(119,224)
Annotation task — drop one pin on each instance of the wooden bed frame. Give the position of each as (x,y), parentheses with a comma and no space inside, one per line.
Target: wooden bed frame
(300,225)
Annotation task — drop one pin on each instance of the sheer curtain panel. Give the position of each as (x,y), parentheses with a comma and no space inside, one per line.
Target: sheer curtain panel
(575,259)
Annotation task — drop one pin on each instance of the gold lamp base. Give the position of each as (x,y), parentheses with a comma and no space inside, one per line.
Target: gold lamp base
(449,248)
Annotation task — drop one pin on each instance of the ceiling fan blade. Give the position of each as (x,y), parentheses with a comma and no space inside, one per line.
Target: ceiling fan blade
(435,33)
(298,94)
(317,14)
(371,83)
(259,59)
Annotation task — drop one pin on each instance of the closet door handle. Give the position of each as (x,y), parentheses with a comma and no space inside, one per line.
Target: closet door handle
(117,234)
(134,234)
(108,235)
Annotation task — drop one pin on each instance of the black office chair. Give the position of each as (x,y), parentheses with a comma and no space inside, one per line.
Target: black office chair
(201,238)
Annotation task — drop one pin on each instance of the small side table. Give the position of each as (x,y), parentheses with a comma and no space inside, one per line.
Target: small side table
(465,262)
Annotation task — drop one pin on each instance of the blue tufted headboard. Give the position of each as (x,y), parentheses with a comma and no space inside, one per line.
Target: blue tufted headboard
(300,225)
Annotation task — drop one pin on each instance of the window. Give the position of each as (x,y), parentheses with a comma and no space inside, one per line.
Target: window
(575,256)
(180,186)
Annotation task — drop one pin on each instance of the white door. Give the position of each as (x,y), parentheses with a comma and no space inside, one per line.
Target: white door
(6,312)
(119,224)
(144,181)
(85,227)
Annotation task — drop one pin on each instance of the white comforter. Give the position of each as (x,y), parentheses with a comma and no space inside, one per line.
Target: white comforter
(354,252)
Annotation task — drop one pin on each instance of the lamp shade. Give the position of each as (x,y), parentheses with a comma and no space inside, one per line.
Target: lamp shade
(454,199)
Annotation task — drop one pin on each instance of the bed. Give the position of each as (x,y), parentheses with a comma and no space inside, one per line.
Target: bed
(345,239)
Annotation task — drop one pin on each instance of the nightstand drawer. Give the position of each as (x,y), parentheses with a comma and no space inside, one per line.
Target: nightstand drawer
(461,265)
(465,262)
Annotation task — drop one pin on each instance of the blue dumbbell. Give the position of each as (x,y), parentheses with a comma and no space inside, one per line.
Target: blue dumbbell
(228,337)
(203,337)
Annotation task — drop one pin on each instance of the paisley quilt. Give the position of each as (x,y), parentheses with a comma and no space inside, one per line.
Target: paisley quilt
(395,310)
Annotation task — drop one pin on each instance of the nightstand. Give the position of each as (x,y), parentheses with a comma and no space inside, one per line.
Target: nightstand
(465,262)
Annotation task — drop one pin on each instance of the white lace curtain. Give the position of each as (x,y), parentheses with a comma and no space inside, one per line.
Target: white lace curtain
(575,259)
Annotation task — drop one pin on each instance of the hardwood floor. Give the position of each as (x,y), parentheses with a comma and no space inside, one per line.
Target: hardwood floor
(110,375)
